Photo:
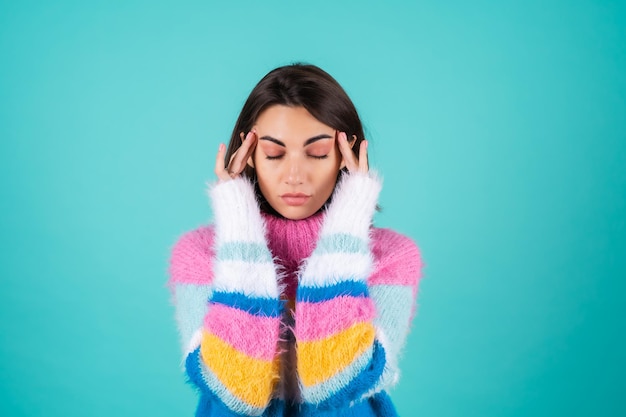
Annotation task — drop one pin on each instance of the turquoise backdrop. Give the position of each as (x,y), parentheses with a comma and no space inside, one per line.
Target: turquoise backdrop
(499,127)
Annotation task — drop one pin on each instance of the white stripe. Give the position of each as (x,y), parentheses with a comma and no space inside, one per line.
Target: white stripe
(353,205)
(332,268)
(236,212)
(194,342)
(251,279)
(192,345)
(384,341)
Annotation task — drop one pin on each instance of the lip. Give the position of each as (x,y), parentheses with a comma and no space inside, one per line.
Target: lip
(295,199)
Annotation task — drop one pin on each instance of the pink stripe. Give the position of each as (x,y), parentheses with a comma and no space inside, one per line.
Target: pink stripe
(191,260)
(253,335)
(315,321)
(397,259)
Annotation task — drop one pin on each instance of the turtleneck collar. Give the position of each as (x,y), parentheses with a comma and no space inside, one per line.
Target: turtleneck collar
(292,241)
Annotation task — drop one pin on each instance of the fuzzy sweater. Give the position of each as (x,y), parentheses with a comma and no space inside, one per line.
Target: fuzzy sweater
(286,317)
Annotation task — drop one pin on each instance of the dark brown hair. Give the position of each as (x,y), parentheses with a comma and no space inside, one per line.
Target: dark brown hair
(297,85)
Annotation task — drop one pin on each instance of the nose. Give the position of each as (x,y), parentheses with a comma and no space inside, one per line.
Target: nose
(294,172)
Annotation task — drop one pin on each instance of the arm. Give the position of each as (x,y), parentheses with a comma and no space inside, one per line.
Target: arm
(235,361)
(393,287)
(339,358)
(190,280)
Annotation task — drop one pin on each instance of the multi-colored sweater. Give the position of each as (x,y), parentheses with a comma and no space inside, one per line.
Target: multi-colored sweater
(286,317)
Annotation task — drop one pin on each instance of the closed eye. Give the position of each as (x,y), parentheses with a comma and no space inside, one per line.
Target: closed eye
(271,158)
(319,156)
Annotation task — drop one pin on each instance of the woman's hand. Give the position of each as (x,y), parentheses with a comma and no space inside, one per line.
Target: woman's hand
(238,160)
(352,163)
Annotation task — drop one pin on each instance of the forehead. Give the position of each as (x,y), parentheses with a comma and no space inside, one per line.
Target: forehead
(291,125)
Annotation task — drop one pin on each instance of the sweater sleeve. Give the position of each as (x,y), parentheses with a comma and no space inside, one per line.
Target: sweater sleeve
(393,287)
(339,357)
(235,362)
(190,280)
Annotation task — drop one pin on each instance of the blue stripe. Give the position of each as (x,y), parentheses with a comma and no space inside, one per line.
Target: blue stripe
(382,405)
(320,294)
(266,307)
(341,243)
(378,405)
(244,251)
(362,383)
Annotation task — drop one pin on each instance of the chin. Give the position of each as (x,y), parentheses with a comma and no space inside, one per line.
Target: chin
(296,212)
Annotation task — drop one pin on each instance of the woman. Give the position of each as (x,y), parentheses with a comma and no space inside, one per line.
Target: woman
(292,304)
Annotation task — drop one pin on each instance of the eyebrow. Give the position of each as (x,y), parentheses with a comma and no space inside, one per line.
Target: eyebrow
(308,141)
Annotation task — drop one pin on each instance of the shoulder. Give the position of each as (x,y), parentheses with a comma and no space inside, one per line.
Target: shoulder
(397,259)
(191,258)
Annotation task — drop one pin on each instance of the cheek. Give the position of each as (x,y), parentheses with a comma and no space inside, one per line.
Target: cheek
(266,183)
(327,178)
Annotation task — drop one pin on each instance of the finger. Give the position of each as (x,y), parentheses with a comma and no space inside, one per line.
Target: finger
(219,163)
(363,163)
(245,151)
(348,156)
(253,140)
(230,169)
(238,163)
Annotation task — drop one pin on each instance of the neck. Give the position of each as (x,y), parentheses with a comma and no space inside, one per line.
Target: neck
(291,241)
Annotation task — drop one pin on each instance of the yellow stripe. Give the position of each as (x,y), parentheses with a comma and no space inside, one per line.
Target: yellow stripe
(321,359)
(249,379)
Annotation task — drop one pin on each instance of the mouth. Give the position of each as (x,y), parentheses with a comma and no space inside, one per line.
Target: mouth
(295,199)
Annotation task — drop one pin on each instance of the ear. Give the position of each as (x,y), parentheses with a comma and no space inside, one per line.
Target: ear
(352,141)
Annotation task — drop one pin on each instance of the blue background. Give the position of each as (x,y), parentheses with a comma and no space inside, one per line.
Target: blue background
(499,127)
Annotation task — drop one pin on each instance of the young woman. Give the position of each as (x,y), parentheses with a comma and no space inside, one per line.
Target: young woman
(292,303)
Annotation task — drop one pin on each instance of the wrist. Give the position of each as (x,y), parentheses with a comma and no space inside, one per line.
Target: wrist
(236,211)
(353,205)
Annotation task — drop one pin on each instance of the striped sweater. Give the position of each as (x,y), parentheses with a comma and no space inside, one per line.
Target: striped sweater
(294,317)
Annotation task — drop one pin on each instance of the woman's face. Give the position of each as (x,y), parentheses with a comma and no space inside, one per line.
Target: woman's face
(296,160)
